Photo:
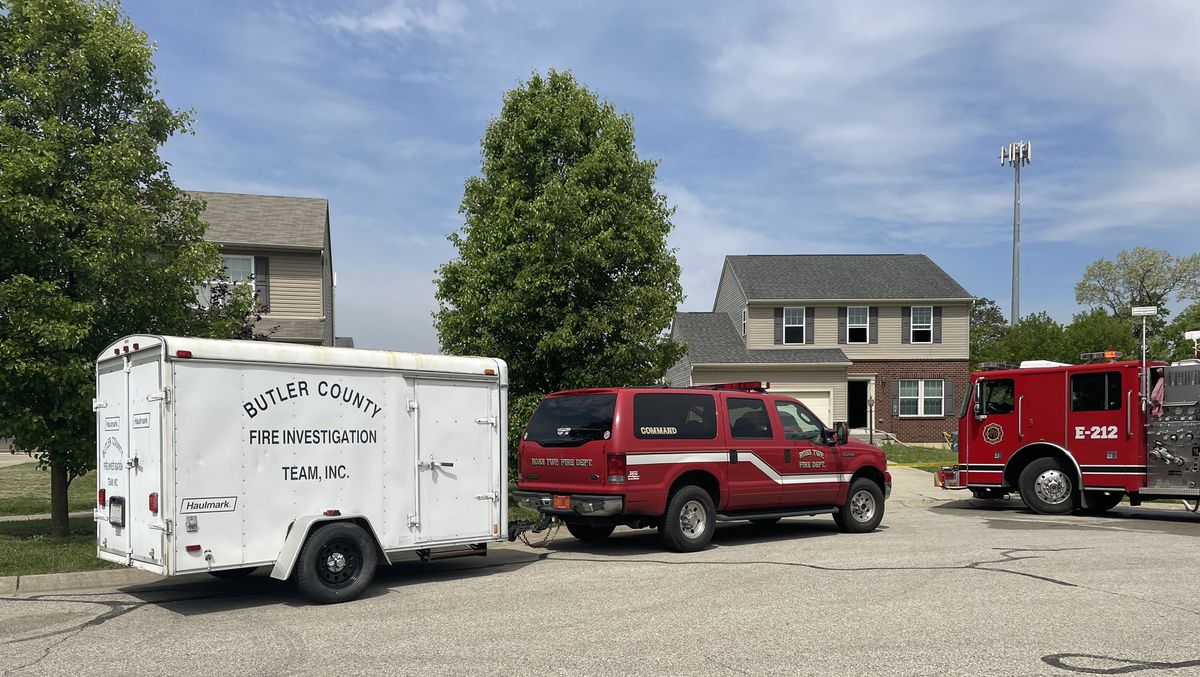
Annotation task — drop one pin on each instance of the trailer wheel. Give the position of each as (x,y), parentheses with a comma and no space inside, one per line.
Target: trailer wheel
(1047,489)
(233,573)
(689,521)
(336,563)
(1102,501)
(863,509)
(590,533)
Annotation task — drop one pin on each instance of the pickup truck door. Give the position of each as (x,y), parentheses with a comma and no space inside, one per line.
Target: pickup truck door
(756,454)
(811,467)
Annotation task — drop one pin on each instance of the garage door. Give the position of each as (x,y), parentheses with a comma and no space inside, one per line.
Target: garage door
(816,401)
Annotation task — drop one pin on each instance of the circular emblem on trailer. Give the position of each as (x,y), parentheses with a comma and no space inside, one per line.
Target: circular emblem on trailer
(993,433)
(108,444)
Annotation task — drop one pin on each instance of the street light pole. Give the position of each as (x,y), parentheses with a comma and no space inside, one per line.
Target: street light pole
(1016,154)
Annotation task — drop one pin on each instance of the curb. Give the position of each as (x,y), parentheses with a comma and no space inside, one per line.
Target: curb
(79,580)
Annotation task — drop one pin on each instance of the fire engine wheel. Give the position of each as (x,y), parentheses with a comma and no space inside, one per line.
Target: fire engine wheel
(1047,489)
(863,509)
(1103,501)
(336,563)
(689,521)
(590,533)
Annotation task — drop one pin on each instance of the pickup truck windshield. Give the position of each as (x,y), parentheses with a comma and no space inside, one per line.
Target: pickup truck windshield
(572,421)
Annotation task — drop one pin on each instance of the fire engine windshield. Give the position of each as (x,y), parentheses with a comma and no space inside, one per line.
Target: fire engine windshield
(572,421)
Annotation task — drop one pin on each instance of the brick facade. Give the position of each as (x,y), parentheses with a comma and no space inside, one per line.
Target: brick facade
(914,430)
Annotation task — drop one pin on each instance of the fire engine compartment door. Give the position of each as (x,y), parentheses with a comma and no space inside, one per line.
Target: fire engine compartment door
(458,457)
(1099,422)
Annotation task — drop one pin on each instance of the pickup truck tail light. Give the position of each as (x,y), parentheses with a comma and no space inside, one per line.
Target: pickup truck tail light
(616,468)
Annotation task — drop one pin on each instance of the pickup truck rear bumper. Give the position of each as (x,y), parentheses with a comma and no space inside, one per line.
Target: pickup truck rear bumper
(580,504)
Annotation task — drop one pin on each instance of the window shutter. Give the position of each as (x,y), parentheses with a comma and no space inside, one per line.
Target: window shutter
(809,329)
(937,324)
(906,325)
(874,314)
(949,399)
(895,386)
(262,281)
(778,327)
(842,326)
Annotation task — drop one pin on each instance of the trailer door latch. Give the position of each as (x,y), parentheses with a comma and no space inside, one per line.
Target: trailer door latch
(97,405)
(157,397)
(486,421)
(486,497)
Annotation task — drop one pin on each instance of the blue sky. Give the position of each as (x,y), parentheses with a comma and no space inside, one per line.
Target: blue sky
(789,127)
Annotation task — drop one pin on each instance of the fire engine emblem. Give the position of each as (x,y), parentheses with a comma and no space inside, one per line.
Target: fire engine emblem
(993,433)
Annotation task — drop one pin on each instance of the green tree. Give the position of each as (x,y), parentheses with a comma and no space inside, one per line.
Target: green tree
(98,241)
(1095,331)
(1170,345)
(988,328)
(1035,337)
(563,268)
(1140,277)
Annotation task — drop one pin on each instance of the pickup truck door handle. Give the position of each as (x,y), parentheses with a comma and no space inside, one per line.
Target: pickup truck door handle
(787,455)
(733,456)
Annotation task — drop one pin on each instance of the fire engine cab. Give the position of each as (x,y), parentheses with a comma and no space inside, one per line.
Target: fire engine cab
(1080,437)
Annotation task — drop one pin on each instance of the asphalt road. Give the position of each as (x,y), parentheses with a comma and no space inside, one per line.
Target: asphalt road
(940,589)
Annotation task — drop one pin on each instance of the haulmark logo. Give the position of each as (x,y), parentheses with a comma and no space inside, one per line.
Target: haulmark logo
(192,506)
(141,420)
(112,423)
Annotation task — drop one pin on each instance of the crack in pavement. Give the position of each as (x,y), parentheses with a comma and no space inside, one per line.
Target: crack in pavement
(1124,665)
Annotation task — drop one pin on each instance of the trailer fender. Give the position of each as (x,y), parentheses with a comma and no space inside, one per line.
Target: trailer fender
(298,533)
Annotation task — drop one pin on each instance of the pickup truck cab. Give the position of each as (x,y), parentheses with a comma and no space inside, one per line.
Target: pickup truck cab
(682,459)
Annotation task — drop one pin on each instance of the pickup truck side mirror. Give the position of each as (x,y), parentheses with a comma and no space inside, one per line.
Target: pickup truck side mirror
(840,433)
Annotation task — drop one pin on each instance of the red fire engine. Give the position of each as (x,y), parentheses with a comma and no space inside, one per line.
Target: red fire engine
(1082,436)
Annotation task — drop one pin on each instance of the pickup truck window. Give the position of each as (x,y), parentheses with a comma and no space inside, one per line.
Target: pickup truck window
(674,416)
(748,419)
(798,422)
(572,421)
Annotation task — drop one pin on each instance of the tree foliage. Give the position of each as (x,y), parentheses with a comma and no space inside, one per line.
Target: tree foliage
(98,241)
(988,328)
(1170,345)
(1140,277)
(1096,331)
(563,268)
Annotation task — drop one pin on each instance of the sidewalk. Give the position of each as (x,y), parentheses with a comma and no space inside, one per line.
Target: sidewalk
(912,488)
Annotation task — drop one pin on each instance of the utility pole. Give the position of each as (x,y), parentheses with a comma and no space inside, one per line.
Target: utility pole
(1016,154)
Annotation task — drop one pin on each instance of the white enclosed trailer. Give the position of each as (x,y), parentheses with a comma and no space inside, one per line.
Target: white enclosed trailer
(225,456)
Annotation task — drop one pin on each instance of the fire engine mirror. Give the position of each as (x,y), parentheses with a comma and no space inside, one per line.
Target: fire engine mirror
(979,400)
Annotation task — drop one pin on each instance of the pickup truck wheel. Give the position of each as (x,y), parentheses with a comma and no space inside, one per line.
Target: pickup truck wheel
(1102,501)
(233,573)
(1047,489)
(590,533)
(863,509)
(336,563)
(766,521)
(689,521)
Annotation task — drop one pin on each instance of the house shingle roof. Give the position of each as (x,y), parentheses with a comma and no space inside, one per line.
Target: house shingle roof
(712,339)
(844,276)
(271,220)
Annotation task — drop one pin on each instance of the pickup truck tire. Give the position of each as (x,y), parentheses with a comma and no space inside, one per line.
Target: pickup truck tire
(336,563)
(688,524)
(863,509)
(233,573)
(1047,489)
(590,533)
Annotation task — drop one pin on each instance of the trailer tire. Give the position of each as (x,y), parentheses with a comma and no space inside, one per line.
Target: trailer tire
(228,574)
(590,533)
(863,509)
(688,524)
(1047,489)
(336,563)
(1102,501)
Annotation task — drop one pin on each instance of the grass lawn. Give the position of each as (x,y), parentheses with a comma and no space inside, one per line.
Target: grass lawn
(25,548)
(920,456)
(25,490)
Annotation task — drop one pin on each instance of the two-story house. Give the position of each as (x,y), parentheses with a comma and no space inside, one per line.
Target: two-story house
(280,245)
(851,336)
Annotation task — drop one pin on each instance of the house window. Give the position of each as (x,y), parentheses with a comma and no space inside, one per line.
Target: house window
(743,322)
(922,324)
(238,270)
(793,325)
(858,324)
(921,397)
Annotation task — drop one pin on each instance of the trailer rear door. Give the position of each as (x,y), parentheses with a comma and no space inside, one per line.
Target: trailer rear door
(458,460)
(130,400)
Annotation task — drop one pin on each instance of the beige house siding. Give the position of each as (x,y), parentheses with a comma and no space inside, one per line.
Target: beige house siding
(679,375)
(783,379)
(956,327)
(730,299)
(327,291)
(295,284)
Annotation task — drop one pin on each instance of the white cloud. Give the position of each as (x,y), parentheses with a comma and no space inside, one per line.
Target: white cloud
(400,16)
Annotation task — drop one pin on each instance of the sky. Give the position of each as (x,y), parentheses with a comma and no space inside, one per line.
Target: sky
(780,127)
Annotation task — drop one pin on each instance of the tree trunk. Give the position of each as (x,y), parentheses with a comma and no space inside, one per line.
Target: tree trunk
(59,520)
